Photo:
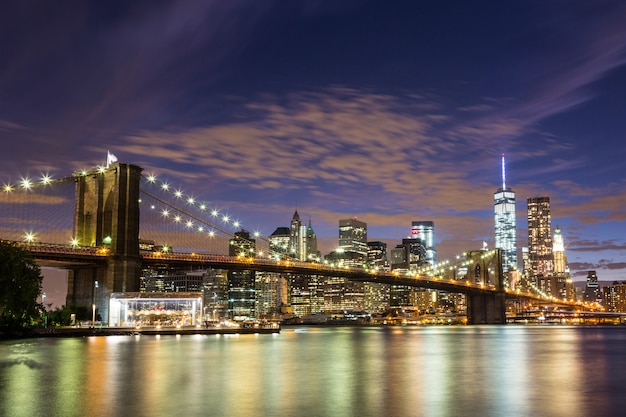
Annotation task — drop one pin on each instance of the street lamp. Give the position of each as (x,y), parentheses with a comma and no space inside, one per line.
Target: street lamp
(93,306)
(45,315)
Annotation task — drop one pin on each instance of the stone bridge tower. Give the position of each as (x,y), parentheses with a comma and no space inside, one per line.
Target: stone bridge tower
(106,216)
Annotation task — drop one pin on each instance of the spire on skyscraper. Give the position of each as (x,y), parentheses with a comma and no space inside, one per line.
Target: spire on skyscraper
(503,173)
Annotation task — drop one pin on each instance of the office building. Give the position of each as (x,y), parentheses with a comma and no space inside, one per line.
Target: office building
(558,252)
(540,258)
(505,225)
(353,236)
(241,284)
(425,232)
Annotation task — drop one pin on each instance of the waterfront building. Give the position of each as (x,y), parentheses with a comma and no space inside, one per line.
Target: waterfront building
(540,258)
(424,232)
(376,295)
(241,284)
(163,278)
(505,224)
(267,294)
(615,297)
(215,294)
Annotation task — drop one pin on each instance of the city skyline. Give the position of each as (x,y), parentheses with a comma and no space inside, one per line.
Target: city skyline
(390,113)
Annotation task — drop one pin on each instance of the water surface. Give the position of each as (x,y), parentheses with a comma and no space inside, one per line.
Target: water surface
(323,371)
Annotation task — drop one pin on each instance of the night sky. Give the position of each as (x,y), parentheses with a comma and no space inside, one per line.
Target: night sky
(386,111)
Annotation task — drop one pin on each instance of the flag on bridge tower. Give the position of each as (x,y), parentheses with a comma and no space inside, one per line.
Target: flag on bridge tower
(110,159)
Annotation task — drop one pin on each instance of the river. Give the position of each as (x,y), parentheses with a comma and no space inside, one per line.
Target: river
(560,371)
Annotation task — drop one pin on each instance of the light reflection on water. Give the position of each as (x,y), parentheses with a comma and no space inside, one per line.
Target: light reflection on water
(323,371)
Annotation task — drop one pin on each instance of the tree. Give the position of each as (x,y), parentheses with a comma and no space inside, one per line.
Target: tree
(20,285)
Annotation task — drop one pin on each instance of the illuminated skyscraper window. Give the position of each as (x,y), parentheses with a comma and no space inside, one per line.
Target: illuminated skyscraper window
(505,228)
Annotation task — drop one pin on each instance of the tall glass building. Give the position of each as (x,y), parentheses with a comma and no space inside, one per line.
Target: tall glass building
(504,219)
(425,231)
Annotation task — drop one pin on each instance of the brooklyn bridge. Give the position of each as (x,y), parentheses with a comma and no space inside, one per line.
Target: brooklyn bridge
(95,224)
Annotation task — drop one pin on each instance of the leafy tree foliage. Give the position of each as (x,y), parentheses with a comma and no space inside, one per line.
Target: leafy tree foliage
(20,285)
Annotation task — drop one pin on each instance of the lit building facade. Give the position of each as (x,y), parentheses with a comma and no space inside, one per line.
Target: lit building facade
(615,297)
(425,232)
(505,224)
(295,230)
(376,295)
(540,258)
(353,236)
(558,251)
(280,243)
(241,284)
(592,292)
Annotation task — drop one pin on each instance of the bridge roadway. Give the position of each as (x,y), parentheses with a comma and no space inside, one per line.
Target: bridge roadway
(61,256)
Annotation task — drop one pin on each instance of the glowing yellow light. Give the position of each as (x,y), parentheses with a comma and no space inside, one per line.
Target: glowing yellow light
(26,184)
(46,179)
(225,219)
(178,193)
(191,200)
(177,219)
(203,207)
(165,186)
(151,178)
(236,224)
(165,213)
(7,188)
(189,224)
(165,249)
(200,229)
(257,234)
(29,237)
(211,233)
(74,242)
(214,213)
(101,169)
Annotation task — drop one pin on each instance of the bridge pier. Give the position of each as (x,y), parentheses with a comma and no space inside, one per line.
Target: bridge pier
(486,309)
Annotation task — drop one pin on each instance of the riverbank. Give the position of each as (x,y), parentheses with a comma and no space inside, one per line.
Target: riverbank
(124,331)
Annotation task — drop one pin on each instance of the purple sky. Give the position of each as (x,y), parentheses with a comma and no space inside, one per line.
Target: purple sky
(388,111)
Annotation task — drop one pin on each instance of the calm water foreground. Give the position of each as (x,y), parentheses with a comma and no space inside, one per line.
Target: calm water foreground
(323,371)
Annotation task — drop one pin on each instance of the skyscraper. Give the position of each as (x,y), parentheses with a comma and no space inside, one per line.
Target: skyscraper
(425,231)
(558,250)
(505,228)
(295,235)
(279,242)
(353,236)
(540,259)
(241,284)
(310,244)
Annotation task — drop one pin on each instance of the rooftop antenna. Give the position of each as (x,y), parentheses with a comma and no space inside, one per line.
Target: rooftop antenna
(503,173)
